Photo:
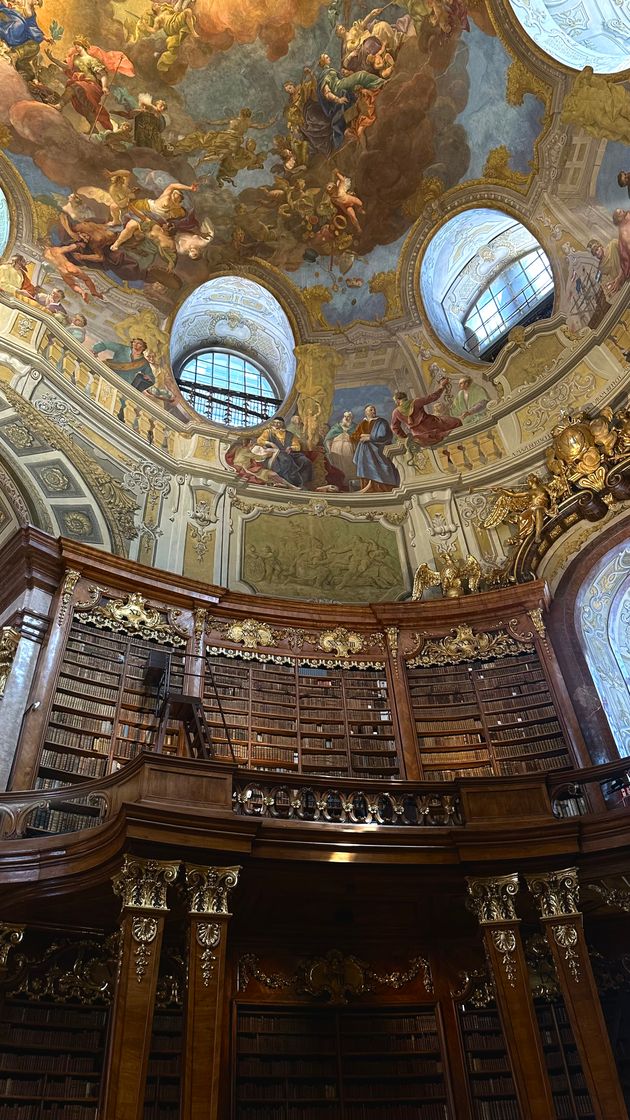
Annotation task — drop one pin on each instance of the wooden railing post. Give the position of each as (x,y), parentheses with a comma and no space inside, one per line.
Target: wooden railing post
(207,893)
(492,901)
(556,895)
(141,885)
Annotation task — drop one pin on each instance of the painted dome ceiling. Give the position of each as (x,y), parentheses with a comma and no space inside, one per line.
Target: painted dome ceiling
(314,187)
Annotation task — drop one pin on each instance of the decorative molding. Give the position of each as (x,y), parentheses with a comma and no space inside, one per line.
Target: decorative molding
(9,642)
(461,644)
(556,892)
(118,504)
(247,632)
(336,805)
(505,943)
(319,507)
(144,931)
(476,988)
(70,580)
(208,935)
(81,970)
(536,616)
(200,615)
(492,899)
(392,634)
(335,976)
(132,616)
(142,883)
(207,889)
(10,936)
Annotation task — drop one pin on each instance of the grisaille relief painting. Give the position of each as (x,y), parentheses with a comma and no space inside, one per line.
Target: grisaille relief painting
(395,180)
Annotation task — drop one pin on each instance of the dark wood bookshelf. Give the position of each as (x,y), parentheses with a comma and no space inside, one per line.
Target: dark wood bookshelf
(486,718)
(50,1060)
(488,1069)
(300,718)
(616,1008)
(162,1094)
(570,1094)
(102,712)
(324,1064)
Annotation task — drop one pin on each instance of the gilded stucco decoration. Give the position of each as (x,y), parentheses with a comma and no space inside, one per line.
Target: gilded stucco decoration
(455,576)
(132,615)
(464,644)
(207,889)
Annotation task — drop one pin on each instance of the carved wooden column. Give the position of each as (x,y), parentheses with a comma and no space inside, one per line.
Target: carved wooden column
(556,895)
(141,885)
(492,900)
(207,890)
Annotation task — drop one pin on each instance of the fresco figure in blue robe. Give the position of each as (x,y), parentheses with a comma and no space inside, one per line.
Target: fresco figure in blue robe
(20,32)
(129,362)
(324,119)
(375,471)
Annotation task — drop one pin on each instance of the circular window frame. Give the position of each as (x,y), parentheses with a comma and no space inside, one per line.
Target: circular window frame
(418,249)
(197,351)
(518,41)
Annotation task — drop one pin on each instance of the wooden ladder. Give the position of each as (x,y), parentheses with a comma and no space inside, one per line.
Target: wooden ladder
(187,710)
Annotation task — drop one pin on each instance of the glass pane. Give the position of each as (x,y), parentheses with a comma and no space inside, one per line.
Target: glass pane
(227,389)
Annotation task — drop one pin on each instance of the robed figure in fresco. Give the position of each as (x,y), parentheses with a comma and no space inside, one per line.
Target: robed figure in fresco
(410,418)
(370,438)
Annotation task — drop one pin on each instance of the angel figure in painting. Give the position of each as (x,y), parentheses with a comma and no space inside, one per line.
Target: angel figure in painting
(527,509)
(450,577)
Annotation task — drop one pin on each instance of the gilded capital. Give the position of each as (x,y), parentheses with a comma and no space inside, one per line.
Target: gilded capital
(556,892)
(10,936)
(492,899)
(142,883)
(207,888)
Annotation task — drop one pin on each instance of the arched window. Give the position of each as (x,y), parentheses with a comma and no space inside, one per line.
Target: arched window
(228,388)
(521,293)
(233,351)
(592,33)
(5,222)
(602,617)
(483,273)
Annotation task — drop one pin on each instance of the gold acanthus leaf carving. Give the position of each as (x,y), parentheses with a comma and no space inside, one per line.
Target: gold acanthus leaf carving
(9,642)
(133,616)
(556,892)
(10,936)
(251,633)
(492,899)
(341,641)
(208,889)
(144,931)
(70,580)
(142,883)
(461,644)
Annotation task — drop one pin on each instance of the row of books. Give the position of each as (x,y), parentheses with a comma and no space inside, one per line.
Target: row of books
(447,756)
(569,1107)
(549,762)
(283,1090)
(97,690)
(74,764)
(537,747)
(82,723)
(450,775)
(46,1063)
(493,1087)
(498,1110)
(55,1040)
(80,703)
(34,1111)
(466,738)
(42,1086)
(53,820)
(525,731)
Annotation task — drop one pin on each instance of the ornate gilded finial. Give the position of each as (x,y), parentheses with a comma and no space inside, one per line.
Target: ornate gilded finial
(556,892)
(9,641)
(207,888)
(142,883)
(10,936)
(455,577)
(492,899)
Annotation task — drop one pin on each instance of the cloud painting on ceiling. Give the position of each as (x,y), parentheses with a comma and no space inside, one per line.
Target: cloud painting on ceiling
(164,142)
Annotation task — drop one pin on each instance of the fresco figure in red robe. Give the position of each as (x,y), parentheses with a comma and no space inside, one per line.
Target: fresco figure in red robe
(410,418)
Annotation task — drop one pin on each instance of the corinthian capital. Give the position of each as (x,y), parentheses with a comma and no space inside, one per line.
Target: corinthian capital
(207,888)
(556,892)
(492,899)
(142,883)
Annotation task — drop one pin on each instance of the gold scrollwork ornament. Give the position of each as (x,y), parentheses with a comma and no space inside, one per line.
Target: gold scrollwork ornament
(132,616)
(492,899)
(142,883)
(144,931)
(566,938)
(341,641)
(71,578)
(461,644)
(9,642)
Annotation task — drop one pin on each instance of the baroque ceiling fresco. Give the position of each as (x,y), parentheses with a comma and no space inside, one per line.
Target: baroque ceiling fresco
(363,166)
